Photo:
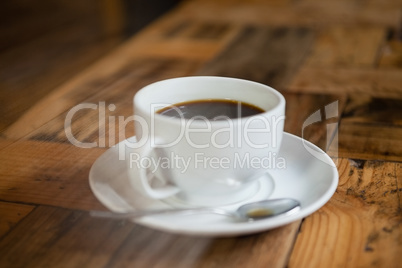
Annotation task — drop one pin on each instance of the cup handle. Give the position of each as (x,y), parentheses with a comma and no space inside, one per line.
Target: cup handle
(159,193)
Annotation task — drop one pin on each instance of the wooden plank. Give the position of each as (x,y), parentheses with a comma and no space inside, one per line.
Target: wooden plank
(360,226)
(133,72)
(289,13)
(114,99)
(11,214)
(369,142)
(5,142)
(113,16)
(269,249)
(380,111)
(371,128)
(28,72)
(344,12)
(39,18)
(383,5)
(342,46)
(54,237)
(372,82)
(186,39)
(262,13)
(150,248)
(43,44)
(277,53)
(47,173)
(143,45)
(199,30)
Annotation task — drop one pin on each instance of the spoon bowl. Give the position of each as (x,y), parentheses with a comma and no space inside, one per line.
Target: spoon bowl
(268,208)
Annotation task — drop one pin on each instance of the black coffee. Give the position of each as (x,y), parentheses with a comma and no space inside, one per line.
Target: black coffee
(211,109)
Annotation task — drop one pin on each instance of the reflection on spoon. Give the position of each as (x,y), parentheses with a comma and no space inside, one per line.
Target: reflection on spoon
(248,212)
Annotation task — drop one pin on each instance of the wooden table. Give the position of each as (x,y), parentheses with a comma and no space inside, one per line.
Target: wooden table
(316,53)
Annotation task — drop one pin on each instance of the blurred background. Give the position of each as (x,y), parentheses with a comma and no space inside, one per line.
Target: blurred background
(45,42)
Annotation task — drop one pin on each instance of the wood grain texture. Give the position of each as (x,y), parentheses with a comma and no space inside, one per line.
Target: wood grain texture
(296,14)
(113,100)
(23,21)
(371,128)
(372,82)
(186,38)
(27,83)
(157,249)
(344,61)
(104,85)
(11,214)
(268,249)
(113,17)
(5,142)
(365,141)
(347,47)
(55,237)
(275,55)
(361,226)
(47,173)
(43,45)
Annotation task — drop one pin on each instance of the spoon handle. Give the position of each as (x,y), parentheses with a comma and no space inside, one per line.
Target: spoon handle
(142,213)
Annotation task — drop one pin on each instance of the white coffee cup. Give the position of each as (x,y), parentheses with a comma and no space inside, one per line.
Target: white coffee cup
(205,162)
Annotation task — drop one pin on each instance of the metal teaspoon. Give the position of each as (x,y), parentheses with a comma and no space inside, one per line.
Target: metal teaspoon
(247,212)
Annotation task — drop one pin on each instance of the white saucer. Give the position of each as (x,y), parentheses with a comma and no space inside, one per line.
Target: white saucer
(307,178)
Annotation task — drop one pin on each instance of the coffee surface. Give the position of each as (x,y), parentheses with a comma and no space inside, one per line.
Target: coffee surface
(211,109)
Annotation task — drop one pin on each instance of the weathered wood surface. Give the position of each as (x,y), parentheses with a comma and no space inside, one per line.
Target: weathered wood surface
(275,56)
(69,238)
(371,128)
(366,213)
(340,54)
(11,214)
(44,44)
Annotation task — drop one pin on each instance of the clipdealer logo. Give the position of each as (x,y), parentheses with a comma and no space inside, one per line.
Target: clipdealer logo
(235,137)
(330,111)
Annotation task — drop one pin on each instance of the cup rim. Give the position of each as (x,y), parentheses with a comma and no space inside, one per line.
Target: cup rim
(275,110)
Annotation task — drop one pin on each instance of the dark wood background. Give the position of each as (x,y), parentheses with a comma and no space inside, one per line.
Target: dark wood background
(43,43)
